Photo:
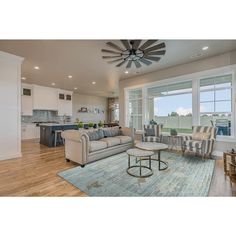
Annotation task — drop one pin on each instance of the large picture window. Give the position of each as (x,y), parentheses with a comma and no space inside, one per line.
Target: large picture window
(216,103)
(171,105)
(134,116)
(180,104)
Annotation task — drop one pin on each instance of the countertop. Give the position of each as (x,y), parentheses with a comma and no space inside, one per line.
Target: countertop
(56,124)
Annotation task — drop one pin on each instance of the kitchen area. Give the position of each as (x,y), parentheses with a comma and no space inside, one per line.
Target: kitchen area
(44,112)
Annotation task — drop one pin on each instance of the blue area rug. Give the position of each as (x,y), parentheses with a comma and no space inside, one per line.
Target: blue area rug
(186,176)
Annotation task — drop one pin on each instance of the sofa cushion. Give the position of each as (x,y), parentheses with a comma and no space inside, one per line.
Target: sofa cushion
(124,139)
(97,145)
(192,145)
(150,132)
(95,135)
(111,141)
(152,139)
(201,136)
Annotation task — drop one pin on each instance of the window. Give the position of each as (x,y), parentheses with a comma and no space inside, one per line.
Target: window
(134,109)
(171,105)
(216,103)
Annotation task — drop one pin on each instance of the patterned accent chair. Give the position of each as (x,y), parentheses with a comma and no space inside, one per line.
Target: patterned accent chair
(201,142)
(152,133)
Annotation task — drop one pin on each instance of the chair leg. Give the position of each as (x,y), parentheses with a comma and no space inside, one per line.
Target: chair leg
(203,157)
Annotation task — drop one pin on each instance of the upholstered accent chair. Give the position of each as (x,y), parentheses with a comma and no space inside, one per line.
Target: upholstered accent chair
(152,133)
(201,142)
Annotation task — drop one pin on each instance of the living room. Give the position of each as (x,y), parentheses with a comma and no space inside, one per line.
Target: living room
(124,121)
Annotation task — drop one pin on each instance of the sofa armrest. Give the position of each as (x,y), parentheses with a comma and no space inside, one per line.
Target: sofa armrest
(207,146)
(76,145)
(186,138)
(128,132)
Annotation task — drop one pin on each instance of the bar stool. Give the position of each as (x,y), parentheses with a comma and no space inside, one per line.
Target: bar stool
(57,136)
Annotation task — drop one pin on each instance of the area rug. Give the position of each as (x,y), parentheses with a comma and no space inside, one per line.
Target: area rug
(186,176)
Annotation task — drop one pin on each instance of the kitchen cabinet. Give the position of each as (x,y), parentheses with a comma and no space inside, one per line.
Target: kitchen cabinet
(26,100)
(30,131)
(45,98)
(64,102)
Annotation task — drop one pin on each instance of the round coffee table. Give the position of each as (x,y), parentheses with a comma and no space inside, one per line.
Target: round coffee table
(156,148)
(142,155)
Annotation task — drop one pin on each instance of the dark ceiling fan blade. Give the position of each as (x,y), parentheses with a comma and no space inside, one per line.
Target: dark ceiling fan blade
(147,44)
(129,64)
(161,52)
(120,64)
(152,58)
(107,57)
(136,44)
(137,64)
(146,62)
(156,47)
(120,59)
(110,44)
(126,44)
(109,51)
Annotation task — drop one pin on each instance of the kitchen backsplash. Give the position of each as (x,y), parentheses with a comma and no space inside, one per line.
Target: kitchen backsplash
(42,116)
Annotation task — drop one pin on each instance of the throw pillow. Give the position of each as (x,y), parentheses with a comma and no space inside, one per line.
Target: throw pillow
(93,136)
(100,133)
(200,136)
(150,132)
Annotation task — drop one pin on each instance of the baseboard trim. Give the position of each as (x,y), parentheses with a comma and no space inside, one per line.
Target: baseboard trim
(10,156)
(217,153)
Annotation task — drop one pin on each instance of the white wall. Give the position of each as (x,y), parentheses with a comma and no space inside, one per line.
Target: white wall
(10,106)
(90,102)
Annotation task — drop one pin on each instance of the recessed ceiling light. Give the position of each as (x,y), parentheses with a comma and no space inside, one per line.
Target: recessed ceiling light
(36,68)
(69,76)
(53,84)
(93,82)
(23,78)
(205,48)
(75,88)
(126,72)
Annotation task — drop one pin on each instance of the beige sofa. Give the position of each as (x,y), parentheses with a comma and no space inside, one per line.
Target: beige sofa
(79,148)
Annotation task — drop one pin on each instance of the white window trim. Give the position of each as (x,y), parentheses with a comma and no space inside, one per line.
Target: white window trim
(195,78)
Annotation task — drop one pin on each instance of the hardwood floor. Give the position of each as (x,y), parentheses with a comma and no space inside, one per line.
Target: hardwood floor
(35,174)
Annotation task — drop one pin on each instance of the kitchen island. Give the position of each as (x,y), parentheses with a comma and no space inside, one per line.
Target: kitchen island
(47,131)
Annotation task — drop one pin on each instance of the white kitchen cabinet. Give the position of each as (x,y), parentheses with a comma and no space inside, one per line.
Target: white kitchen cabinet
(44,98)
(26,100)
(30,131)
(64,102)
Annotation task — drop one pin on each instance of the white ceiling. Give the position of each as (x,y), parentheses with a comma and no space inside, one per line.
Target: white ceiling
(83,60)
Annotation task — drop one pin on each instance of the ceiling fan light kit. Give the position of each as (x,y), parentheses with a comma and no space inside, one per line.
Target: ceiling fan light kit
(134,52)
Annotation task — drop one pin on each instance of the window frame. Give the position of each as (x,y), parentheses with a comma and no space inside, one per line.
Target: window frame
(195,78)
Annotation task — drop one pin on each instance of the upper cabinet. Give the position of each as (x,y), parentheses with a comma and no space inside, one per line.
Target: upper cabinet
(44,98)
(64,102)
(35,97)
(26,100)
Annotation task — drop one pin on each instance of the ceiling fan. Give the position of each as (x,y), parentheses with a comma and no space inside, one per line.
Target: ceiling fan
(134,52)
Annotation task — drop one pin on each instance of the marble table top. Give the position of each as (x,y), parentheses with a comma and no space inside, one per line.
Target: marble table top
(151,146)
(139,153)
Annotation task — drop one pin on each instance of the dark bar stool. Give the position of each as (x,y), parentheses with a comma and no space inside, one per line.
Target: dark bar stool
(57,137)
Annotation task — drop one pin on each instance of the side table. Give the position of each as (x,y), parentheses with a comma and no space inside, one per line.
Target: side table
(232,157)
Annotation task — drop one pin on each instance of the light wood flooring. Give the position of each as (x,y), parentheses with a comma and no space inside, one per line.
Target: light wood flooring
(35,174)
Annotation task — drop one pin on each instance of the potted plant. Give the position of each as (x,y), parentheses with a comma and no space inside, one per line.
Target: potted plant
(80,125)
(90,124)
(100,124)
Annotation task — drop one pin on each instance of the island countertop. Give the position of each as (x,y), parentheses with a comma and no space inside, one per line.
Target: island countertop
(47,131)
(56,124)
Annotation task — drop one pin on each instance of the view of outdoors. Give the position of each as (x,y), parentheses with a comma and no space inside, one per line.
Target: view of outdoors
(171,105)
(174,112)
(216,103)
